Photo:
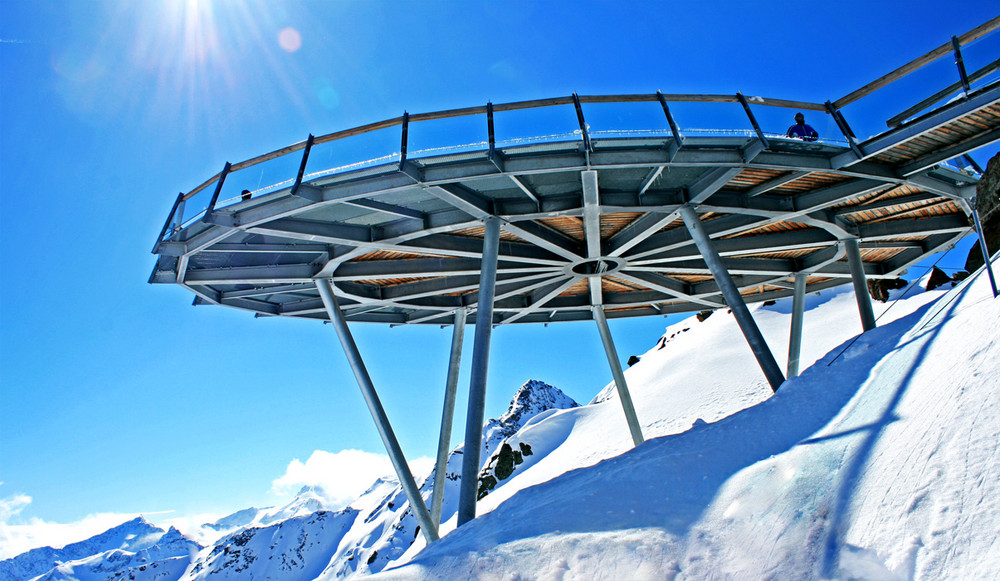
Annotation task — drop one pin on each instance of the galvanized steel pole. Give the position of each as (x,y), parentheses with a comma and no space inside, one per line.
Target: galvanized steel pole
(477,384)
(795,338)
(618,375)
(982,246)
(733,298)
(448,414)
(860,286)
(427,526)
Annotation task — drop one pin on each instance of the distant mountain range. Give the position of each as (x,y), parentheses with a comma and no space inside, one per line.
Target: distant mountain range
(300,540)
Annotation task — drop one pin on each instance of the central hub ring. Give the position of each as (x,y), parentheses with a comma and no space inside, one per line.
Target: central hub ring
(595,266)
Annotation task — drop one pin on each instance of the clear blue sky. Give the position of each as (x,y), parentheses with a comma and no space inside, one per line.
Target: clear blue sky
(118,396)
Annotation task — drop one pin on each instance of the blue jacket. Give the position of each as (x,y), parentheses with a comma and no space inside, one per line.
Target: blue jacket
(802,131)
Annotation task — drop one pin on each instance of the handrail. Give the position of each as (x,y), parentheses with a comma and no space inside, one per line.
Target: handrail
(917,63)
(499,107)
(913,65)
(981,73)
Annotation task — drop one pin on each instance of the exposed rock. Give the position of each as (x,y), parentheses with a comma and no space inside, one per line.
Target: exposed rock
(987,204)
(701,316)
(879,288)
(486,484)
(769,303)
(533,398)
(937,278)
(632,360)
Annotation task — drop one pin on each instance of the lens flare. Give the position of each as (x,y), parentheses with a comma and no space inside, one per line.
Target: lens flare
(289,39)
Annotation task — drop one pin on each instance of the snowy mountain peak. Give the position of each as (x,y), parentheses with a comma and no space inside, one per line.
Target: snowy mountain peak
(531,399)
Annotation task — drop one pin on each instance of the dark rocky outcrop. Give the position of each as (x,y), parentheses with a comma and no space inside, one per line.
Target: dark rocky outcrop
(879,288)
(988,206)
(937,278)
(701,316)
(632,360)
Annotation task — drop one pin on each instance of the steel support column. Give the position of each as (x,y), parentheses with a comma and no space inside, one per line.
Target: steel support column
(480,364)
(982,246)
(733,298)
(447,415)
(860,285)
(795,338)
(618,375)
(427,526)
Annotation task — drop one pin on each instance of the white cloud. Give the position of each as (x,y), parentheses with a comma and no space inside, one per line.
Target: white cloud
(343,475)
(12,506)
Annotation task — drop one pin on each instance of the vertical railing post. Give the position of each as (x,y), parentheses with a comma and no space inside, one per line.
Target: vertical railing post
(302,164)
(670,118)
(753,120)
(404,139)
(795,335)
(960,63)
(427,526)
(583,128)
(215,195)
(172,221)
(480,364)
(838,118)
(447,415)
(857,267)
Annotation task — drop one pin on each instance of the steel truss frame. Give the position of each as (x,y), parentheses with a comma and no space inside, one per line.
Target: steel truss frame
(507,236)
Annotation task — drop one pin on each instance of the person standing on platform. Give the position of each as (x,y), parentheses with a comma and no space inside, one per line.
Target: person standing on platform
(802,131)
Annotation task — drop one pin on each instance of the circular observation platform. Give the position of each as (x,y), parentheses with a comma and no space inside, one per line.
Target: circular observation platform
(586,220)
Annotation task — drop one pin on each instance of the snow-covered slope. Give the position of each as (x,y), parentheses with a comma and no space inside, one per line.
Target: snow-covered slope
(879,462)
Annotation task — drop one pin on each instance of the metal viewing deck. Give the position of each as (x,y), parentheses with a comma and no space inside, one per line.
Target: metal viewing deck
(580,225)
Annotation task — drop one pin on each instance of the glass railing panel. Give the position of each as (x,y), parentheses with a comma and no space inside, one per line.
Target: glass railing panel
(451,135)
(521,127)
(356,152)
(257,180)
(626,120)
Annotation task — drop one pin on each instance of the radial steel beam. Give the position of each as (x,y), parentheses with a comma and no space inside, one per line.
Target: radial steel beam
(477,384)
(775,183)
(713,181)
(795,338)
(447,415)
(637,231)
(427,526)
(860,285)
(733,298)
(618,375)
(591,213)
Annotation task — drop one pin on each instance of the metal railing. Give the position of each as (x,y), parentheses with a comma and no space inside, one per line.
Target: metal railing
(181,214)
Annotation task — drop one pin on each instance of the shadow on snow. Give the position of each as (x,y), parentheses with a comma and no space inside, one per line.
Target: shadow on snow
(669,482)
